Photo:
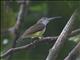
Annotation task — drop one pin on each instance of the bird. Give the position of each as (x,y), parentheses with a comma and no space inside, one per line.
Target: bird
(38,29)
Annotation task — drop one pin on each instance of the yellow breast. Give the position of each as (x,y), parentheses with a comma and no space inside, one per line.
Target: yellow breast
(39,33)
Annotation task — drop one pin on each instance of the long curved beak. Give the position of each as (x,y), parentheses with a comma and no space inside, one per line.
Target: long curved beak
(54,18)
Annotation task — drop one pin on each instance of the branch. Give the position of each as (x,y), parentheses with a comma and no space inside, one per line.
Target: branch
(31,45)
(34,43)
(74,53)
(54,51)
(21,15)
(75,32)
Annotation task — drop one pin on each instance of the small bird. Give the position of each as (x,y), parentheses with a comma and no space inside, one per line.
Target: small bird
(38,29)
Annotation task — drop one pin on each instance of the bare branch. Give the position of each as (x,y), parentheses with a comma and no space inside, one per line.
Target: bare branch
(54,51)
(34,43)
(75,32)
(21,15)
(74,53)
(31,45)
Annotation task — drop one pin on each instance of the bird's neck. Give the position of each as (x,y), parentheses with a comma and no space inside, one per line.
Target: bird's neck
(45,22)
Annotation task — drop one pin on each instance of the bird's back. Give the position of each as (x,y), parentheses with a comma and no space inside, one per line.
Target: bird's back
(33,29)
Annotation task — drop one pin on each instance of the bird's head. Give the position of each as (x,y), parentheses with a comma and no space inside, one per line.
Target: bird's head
(45,20)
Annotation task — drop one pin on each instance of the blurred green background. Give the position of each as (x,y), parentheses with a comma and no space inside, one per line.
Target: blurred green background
(38,9)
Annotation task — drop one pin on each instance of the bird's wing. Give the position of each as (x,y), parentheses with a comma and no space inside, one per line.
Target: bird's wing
(34,28)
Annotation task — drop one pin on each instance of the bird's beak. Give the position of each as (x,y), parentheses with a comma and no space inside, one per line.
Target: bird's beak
(54,18)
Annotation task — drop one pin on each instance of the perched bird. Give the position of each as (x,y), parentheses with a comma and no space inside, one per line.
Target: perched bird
(37,29)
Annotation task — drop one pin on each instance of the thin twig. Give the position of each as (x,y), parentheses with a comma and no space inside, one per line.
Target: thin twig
(75,32)
(74,53)
(54,51)
(34,43)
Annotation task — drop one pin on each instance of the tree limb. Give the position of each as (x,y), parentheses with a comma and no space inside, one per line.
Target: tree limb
(54,51)
(74,53)
(17,27)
